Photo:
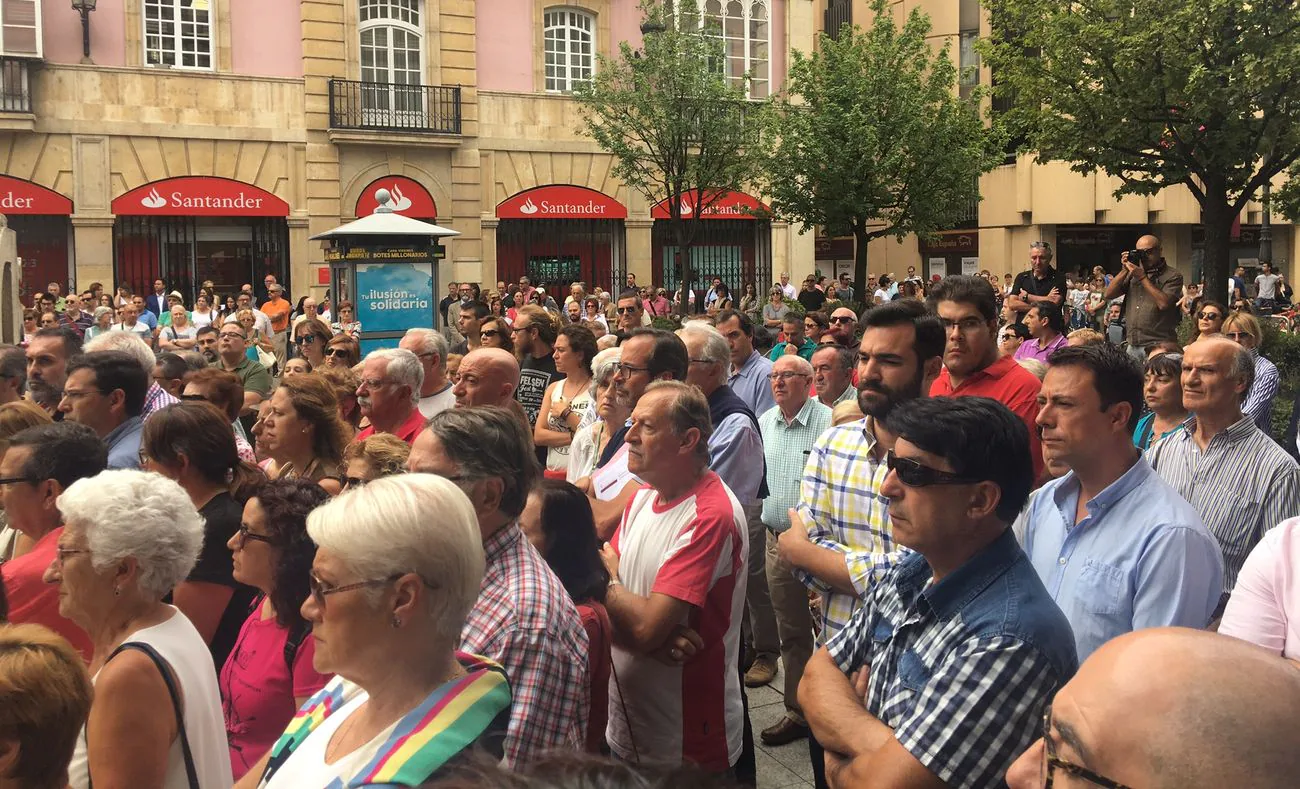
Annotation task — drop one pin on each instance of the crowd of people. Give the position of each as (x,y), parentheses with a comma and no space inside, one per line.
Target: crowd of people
(979,548)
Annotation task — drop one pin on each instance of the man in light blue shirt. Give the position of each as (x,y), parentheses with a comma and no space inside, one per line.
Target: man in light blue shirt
(749,368)
(105,392)
(1116,546)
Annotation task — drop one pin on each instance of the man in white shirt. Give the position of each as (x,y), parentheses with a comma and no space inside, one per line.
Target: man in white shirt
(430,348)
(789,290)
(261,321)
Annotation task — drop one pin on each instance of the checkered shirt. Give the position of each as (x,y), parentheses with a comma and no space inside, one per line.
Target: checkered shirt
(962,669)
(525,620)
(841,505)
(156,399)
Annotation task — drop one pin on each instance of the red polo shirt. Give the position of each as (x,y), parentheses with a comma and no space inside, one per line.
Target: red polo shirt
(407,431)
(1011,385)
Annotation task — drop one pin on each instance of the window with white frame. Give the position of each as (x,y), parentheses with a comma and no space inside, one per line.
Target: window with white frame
(743,27)
(392,55)
(178,33)
(570,48)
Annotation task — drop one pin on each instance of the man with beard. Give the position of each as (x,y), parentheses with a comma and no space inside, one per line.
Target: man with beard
(47,366)
(839,538)
(972,364)
(206,340)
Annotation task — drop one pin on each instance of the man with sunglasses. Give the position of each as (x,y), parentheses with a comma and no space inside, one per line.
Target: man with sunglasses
(40,463)
(232,355)
(942,675)
(1151,288)
(1166,708)
(843,328)
(1115,545)
(629,312)
(1010,338)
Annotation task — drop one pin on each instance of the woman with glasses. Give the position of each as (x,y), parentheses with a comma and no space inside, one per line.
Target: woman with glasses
(1245,330)
(1209,319)
(342,351)
(129,538)
(391,589)
(378,455)
(815,324)
(269,675)
(310,336)
(16,417)
(303,431)
(565,402)
(1163,393)
(103,323)
(346,325)
(775,310)
(192,444)
(591,307)
(590,441)
(495,333)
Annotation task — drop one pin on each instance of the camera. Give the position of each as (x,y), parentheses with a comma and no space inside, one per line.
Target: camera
(1137,257)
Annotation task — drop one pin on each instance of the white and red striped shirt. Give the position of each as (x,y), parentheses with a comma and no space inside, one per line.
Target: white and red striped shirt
(693,549)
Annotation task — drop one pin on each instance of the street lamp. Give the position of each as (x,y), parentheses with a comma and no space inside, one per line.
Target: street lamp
(84,7)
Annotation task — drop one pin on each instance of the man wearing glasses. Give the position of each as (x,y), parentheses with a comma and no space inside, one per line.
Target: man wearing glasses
(942,675)
(629,311)
(1218,713)
(843,328)
(389,393)
(39,465)
(232,355)
(1011,336)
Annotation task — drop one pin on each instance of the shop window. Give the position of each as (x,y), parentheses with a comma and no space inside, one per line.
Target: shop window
(392,70)
(178,33)
(743,27)
(570,48)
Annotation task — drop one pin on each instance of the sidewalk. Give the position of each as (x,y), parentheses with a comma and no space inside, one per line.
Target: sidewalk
(788,765)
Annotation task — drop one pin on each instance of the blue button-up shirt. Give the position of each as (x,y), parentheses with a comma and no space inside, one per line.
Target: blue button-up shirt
(750,383)
(736,455)
(786,446)
(123,443)
(1141,557)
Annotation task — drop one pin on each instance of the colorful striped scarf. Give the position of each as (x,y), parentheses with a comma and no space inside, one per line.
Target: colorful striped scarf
(453,718)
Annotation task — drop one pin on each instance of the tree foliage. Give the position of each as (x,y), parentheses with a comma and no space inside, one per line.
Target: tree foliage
(1157,94)
(677,127)
(871,138)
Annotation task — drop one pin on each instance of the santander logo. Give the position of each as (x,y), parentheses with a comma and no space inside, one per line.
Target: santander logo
(400,201)
(686,208)
(153,200)
(529,207)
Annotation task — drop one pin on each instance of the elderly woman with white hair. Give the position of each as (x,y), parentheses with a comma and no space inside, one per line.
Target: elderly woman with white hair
(589,440)
(129,538)
(390,591)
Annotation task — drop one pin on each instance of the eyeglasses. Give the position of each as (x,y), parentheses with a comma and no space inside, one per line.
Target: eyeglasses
(785,376)
(1052,762)
(245,535)
(72,394)
(917,475)
(1238,335)
(1007,336)
(514,329)
(319,591)
(965,325)
(194,397)
(15,480)
(351,482)
(306,339)
(1210,316)
(373,383)
(699,361)
(629,369)
(844,319)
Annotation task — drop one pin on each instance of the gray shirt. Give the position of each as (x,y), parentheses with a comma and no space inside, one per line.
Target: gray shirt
(1266,286)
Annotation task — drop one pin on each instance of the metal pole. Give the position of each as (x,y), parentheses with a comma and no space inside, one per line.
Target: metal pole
(1265,228)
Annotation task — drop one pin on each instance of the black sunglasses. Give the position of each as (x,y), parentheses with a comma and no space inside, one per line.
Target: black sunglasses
(492,333)
(917,475)
(1209,316)
(844,319)
(335,352)
(16,480)
(306,339)
(626,310)
(351,482)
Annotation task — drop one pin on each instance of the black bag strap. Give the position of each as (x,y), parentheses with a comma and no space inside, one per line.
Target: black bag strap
(298,632)
(190,772)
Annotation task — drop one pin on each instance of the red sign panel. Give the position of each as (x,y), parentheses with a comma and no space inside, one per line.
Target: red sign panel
(561,202)
(728,205)
(24,197)
(406,197)
(199,196)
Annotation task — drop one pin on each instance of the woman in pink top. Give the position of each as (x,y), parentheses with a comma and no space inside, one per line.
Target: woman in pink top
(269,674)
(1265,605)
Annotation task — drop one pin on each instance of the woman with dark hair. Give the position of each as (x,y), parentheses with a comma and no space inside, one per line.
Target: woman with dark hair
(303,431)
(269,674)
(224,390)
(192,443)
(559,523)
(1163,393)
(495,333)
(566,401)
(342,351)
(1210,316)
(310,336)
(815,324)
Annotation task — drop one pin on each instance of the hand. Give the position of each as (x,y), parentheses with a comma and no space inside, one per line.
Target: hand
(1054,292)
(680,647)
(1024,295)
(793,538)
(861,680)
(610,559)
(1134,272)
(790,349)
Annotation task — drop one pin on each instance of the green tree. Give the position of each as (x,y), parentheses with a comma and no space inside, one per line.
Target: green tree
(1157,94)
(677,126)
(872,140)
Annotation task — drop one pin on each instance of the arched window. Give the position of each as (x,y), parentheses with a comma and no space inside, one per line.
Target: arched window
(570,48)
(392,56)
(745,32)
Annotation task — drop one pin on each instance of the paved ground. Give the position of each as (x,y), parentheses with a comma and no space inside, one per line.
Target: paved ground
(788,765)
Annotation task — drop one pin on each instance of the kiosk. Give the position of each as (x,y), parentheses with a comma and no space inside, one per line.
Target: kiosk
(386,265)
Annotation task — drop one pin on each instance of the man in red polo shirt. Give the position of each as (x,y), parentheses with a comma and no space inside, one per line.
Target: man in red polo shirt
(389,394)
(972,364)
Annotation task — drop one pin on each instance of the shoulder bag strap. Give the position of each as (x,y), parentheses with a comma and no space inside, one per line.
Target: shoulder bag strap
(190,772)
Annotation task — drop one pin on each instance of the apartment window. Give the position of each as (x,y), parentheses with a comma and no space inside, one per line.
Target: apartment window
(392,71)
(570,48)
(178,33)
(745,33)
(969,62)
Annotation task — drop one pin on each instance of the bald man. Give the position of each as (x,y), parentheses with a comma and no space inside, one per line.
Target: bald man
(844,325)
(1170,708)
(1152,287)
(489,376)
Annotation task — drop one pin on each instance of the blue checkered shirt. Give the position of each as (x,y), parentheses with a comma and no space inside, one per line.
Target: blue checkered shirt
(961,669)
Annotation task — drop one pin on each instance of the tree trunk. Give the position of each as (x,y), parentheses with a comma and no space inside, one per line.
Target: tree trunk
(684,265)
(1217,218)
(860,241)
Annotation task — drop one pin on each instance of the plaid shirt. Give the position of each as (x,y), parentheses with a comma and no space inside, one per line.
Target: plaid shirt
(841,505)
(961,669)
(156,399)
(525,620)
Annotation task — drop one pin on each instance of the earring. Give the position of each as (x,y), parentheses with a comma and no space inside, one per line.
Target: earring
(117,592)
(397,623)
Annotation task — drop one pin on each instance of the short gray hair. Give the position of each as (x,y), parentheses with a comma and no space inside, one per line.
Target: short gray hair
(403,368)
(142,515)
(384,529)
(801,364)
(604,366)
(126,342)
(430,341)
(1243,368)
(13,365)
(1043,245)
(715,351)
(487,442)
(687,410)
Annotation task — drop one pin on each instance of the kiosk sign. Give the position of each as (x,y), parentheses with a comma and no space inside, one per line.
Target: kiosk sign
(394,297)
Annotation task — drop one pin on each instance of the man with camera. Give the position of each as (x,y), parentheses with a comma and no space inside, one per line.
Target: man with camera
(1151,289)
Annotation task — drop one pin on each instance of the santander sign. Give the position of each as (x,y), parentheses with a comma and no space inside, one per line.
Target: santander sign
(24,197)
(561,202)
(409,198)
(199,196)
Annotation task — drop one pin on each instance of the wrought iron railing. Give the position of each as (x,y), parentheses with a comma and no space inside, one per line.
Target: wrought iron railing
(15,85)
(419,109)
(837,14)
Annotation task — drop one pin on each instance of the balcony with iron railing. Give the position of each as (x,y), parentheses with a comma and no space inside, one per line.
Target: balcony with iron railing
(381,112)
(16,112)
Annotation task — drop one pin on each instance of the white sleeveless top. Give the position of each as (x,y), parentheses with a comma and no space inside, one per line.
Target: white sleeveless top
(557,458)
(181,646)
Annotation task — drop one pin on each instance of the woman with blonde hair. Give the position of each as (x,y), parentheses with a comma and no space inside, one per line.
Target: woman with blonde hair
(256,341)
(378,455)
(1245,330)
(303,431)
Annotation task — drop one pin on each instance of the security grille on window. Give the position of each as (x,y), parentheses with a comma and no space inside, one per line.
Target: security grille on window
(391,62)
(570,48)
(745,33)
(178,33)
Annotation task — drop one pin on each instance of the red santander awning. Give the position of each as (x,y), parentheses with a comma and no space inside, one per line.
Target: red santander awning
(728,205)
(18,196)
(561,201)
(409,198)
(199,196)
